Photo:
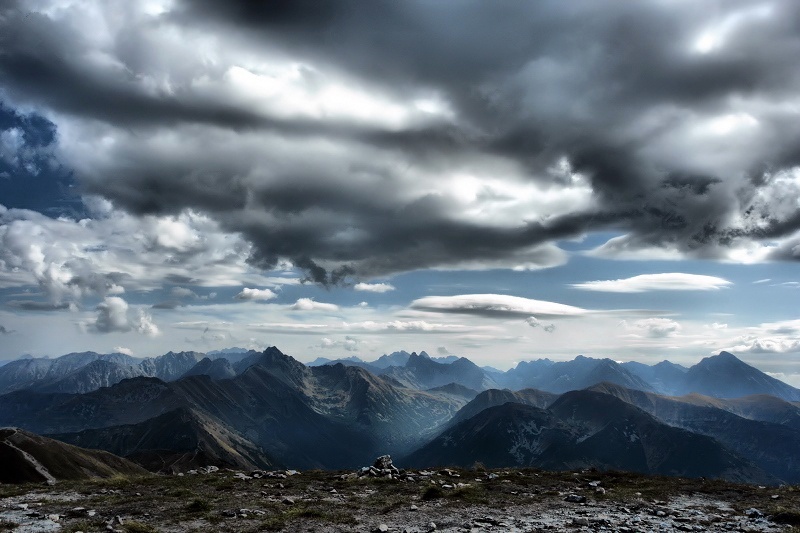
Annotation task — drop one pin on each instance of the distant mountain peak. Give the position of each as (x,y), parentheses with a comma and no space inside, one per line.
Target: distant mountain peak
(723,358)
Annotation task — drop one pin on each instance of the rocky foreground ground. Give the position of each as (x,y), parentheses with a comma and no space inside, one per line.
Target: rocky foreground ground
(383,498)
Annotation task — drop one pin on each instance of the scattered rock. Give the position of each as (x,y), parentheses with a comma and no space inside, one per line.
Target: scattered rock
(575,498)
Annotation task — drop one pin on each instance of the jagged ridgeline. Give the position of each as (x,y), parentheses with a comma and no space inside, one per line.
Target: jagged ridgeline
(245,409)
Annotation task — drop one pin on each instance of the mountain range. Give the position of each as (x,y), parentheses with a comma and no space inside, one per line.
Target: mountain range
(88,371)
(721,376)
(248,409)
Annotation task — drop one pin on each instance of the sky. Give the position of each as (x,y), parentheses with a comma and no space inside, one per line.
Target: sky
(503,180)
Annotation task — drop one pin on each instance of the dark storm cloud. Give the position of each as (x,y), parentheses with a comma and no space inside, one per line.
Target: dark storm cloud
(620,90)
(31,305)
(168,305)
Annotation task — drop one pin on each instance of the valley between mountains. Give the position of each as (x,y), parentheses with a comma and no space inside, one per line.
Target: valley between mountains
(247,410)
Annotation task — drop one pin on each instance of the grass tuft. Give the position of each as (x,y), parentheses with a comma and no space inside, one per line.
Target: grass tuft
(432,493)
(198,505)
(139,527)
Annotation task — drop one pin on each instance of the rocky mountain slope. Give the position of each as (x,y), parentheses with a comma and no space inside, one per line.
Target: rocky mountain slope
(771,446)
(722,376)
(31,458)
(177,441)
(266,409)
(494,397)
(583,429)
(329,416)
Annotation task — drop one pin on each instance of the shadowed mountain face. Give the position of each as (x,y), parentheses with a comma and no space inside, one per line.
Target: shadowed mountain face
(757,407)
(507,435)
(771,446)
(30,458)
(456,390)
(619,435)
(329,416)
(722,376)
(583,429)
(215,369)
(267,408)
(174,442)
(494,397)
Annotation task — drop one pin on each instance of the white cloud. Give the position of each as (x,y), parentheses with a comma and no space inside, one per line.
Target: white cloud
(350,344)
(115,252)
(374,287)
(290,327)
(182,292)
(123,350)
(673,281)
(655,328)
(366,326)
(766,345)
(307,304)
(495,305)
(114,315)
(534,322)
(406,326)
(255,294)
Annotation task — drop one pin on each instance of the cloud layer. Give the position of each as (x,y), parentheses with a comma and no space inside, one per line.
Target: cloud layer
(495,305)
(433,136)
(657,282)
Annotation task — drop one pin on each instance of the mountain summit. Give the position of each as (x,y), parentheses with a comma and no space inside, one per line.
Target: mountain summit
(726,376)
